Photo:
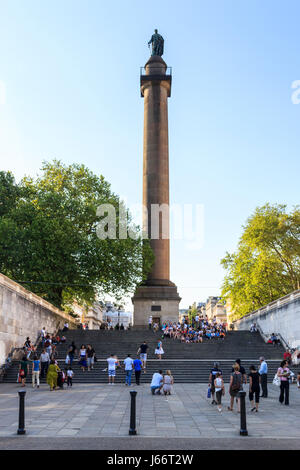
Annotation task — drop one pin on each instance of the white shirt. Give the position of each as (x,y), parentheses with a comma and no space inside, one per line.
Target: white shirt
(45,357)
(218,384)
(128,363)
(70,373)
(112,363)
(156,380)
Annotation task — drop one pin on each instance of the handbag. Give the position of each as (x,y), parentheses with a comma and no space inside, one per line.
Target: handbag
(21,373)
(276,380)
(208,392)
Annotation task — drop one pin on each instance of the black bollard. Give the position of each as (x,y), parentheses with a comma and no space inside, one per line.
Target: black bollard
(21,429)
(132,429)
(243,430)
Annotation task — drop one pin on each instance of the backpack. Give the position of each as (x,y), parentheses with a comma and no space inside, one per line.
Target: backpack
(236,383)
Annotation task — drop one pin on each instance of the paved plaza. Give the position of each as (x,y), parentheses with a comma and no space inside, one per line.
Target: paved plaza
(91,411)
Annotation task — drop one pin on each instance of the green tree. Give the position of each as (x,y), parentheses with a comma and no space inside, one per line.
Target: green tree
(48,237)
(266,265)
(192,312)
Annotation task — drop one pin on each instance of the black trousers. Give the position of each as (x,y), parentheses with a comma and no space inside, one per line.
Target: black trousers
(256,393)
(137,376)
(44,368)
(264,385)
(284,392)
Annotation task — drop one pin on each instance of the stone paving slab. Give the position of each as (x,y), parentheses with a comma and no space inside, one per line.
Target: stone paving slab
(95,410)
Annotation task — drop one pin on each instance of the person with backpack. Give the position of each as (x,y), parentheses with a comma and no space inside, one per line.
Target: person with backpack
(236,381)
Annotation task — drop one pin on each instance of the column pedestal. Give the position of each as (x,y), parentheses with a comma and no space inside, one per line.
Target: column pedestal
(161,302)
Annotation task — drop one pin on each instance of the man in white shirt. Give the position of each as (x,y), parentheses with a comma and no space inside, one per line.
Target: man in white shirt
(112,362)
(150,322)
(128,363)
(45,359)
(156,383)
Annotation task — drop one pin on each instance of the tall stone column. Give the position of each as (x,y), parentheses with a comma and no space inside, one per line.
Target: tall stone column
(158,295)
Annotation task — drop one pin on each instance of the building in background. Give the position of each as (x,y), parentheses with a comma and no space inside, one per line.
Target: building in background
(215,309)
(114,314)
(91,316)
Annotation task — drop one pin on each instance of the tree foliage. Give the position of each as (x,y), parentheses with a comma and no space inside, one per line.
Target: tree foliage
(48,237)
(266,265)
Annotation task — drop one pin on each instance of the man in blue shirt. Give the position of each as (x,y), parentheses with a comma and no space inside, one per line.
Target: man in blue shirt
(263,371)
(137,364)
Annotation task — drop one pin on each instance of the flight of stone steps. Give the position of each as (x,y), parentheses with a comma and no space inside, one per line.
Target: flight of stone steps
(189,363)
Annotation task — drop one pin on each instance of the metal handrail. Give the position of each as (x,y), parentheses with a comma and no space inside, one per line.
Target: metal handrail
(266,337)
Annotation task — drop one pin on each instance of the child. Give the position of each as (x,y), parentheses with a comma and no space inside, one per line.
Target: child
(70,374)
(219,389)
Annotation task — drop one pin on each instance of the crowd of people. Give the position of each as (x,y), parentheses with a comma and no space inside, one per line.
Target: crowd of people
(47,365)
(194,331)
(257,380)
(159,383)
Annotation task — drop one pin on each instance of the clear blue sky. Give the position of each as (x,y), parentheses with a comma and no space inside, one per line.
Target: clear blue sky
(71,75)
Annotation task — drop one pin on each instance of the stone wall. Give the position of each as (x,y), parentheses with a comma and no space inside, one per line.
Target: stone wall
(23,314)
(280,317)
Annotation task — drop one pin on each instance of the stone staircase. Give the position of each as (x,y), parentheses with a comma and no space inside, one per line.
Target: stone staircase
(189,363)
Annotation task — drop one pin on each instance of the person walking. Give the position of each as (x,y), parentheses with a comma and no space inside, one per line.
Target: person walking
(70,375)
(112,362)
(263,372)
(36,372)
(44,359)
(254,388)
(71,352)
(143,354)
(128,364)
(242,371)
(83,357)
(43,336)
(284,373)
(90,357)
(211,381)
(159,350)
(168,381)
(47,345)
(52,375)
(150,322)
(23,370)
(137,364)
(220,389)
(236,384)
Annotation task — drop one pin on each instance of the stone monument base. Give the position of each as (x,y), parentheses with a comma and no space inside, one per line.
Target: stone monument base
(159,301)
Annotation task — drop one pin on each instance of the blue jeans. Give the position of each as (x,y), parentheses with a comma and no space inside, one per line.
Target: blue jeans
(128,377)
